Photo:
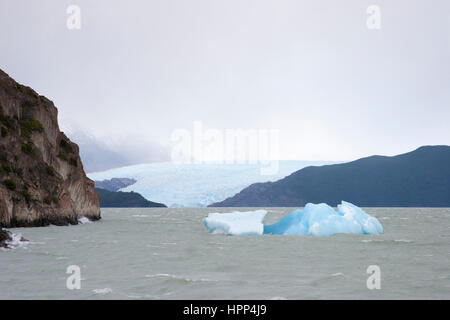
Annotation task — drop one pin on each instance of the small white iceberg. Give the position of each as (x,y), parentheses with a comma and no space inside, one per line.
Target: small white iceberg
(314,219)
(236,223)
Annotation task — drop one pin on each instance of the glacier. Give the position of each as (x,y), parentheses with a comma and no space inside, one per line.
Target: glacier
(313,219)
(195,185)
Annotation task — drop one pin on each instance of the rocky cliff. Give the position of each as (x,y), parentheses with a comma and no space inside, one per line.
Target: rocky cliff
(42,180)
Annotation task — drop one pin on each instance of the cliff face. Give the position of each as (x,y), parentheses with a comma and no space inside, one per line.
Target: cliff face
(42,180)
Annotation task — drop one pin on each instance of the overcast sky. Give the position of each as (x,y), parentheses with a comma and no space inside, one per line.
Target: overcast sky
(335,90)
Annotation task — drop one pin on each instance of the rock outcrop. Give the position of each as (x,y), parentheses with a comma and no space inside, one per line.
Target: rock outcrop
(4,237)
(42,180)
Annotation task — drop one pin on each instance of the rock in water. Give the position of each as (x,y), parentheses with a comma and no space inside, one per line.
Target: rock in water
(42,180)
(9,240)
(4,237)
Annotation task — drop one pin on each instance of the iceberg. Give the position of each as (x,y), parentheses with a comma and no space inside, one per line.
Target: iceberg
(323,220)
(314,219)
(236,223)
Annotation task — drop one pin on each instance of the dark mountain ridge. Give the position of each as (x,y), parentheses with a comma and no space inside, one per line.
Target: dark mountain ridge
(110,199)
(420,178)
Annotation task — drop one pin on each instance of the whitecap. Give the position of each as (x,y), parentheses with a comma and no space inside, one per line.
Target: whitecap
(17,241)
(83,220)
(337,274)
(102,291)
(171,276)
(372,240)
(37,242)
(157,275)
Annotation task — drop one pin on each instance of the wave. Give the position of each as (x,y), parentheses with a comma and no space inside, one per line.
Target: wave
(387,241)
(102,291)
(16,241)
(178,278)
(83,220)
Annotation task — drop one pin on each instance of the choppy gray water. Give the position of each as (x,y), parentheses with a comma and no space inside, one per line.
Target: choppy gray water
(168,254)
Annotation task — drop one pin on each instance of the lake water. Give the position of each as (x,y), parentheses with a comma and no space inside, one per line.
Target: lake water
(168,254)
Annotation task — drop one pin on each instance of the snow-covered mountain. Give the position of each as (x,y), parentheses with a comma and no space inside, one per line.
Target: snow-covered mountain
(195,185)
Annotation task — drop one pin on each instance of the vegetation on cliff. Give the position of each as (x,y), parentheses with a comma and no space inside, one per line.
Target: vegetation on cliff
(42,180)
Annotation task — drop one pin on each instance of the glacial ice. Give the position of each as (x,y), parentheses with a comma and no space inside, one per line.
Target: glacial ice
(236,223)
(195,185)
(314,219)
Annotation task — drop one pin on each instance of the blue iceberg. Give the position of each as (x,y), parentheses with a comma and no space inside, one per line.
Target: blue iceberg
(314,219)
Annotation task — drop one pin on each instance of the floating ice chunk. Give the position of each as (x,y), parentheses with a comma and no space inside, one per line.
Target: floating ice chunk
(314,219)
(323,220)
(236,223)
(369,224)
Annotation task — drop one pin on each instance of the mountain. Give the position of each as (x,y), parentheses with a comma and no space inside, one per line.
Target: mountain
(42,180)
(114,184)
(194,185)
(109,199)
(420,178)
